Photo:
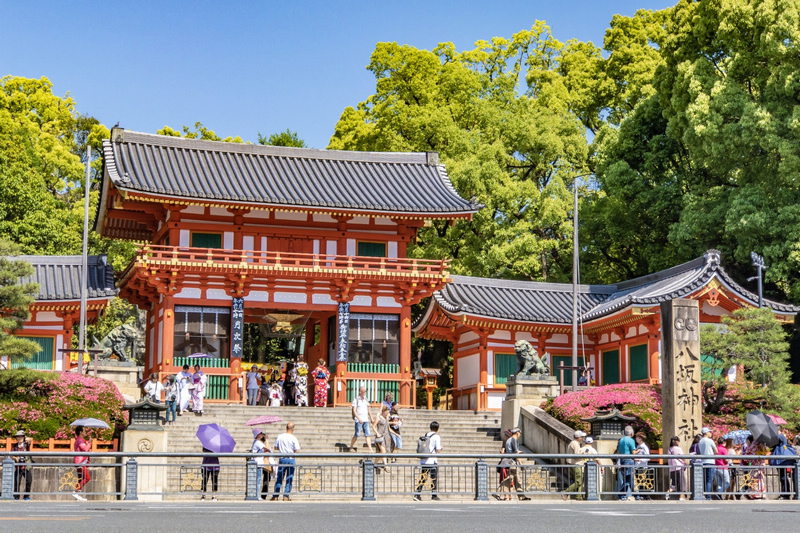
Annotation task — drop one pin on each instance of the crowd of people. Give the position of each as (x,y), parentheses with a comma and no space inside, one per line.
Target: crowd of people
(182,393)
(271,387)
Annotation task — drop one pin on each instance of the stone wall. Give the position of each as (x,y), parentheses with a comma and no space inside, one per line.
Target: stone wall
(541,433)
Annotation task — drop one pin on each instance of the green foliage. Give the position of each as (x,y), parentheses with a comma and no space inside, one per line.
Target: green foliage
(284,138)
(15,299)
(14,383)
(199,132)
(754,340)
(118,313)
(515,152)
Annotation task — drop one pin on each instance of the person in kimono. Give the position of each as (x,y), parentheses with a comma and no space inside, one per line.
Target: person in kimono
(198,393)
(185,382)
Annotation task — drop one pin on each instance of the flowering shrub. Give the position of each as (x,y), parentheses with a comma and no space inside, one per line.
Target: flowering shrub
(643,402)
(44,404)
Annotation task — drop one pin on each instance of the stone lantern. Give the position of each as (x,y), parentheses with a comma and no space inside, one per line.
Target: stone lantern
(429,377)
(145,415)
(607,427)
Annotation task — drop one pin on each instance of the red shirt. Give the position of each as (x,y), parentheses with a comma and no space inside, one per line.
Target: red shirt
(721,464)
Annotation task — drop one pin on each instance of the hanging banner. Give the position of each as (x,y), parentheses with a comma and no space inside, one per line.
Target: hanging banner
(237,327)
(344,330)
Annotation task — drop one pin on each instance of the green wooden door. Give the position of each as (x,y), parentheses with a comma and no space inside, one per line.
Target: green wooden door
(567,360)
(206,240)
(41,360)
(504,365)
(610,367)
(638,363)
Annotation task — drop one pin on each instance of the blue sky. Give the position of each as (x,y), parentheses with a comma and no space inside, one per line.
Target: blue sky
(246,67)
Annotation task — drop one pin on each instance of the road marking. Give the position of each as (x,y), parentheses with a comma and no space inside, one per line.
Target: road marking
(47,518)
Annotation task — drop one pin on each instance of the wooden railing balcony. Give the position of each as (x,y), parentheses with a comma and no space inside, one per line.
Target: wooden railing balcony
(199,259)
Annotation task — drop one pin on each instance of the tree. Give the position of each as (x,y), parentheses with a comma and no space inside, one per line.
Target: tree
(754,342)
(284,138)
(15,298)
(199,132)
(515,152)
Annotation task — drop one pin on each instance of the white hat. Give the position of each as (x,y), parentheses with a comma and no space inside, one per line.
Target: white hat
(589,439)
(579,434)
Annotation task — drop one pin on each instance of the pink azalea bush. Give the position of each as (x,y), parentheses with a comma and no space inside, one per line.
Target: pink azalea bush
(45,403)
(643,402)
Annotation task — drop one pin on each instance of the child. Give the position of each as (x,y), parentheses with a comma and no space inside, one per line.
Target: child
(275,396)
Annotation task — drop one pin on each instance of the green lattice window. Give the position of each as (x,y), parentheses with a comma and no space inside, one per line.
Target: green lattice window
(638,363)
(41,360)
(610,367)
(206,240)
(504,365)
(371,249)
(567,360)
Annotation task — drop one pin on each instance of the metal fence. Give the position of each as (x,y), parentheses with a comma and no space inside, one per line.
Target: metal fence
(173,476)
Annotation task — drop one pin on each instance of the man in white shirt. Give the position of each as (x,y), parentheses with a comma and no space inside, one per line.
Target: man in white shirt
(362,416)
(707,447)
(286,443)
(259,449)
(153,389)
(430,468)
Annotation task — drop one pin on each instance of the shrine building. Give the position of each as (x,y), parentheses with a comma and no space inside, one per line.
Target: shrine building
(619,327)
(56,308)
(310,245)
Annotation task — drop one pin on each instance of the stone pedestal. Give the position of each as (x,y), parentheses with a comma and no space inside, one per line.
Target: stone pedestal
(522,391)
(125,375)
(152,477)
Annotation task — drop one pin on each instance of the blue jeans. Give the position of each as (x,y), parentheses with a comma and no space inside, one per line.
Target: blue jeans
(625,478)
(172,407)
(710,473)
(363,427)
(284,472)
(252,396)
(723,479)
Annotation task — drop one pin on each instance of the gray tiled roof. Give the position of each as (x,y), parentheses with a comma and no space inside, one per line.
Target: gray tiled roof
(59,277)
(410,183)
(551,303)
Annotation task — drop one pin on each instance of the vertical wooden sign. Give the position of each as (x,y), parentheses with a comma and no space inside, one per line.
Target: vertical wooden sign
(344,332)
(237,327)
(681,385)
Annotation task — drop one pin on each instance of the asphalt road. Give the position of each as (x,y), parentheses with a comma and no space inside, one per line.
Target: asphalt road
(434,517)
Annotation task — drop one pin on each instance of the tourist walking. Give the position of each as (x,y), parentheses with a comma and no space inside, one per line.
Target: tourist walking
(677,467)
(721,473)
(321,376)
(574,447)
(83,443)
(362,416)
(185,386)
(252,385)
(395,423)
(780,451)
(706,448)
(259,450)
(625,446)
(430,469)
(382,438)
(512,463)
(286,443)
(153,388)
(199,380)
(755,483)
(640,463)
(171,398)
(23,466)
(210,471)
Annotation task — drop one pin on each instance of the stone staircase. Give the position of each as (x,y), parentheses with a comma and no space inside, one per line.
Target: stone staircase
(329,430)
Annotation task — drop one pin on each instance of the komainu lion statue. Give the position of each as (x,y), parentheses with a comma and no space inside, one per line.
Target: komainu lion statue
(528,361)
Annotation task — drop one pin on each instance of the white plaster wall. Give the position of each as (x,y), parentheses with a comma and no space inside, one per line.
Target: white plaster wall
(359,220)
(322,299)
(316,246)
(351,247)
(490,366)
(362,300)
(391,250)
(227,240)
(330,247)
(502,335)
(631,332)
(381,221)
(47,316)
(642,329)
(217,294)
(323,218)
(386,301)
(194,210)
(289,215)
(525,336)
(468,370)
(258,213)
(495,400)
(220,212)
(157,347)
(184,237)
(559,338)
(258,296)
(290,297)
(468,336)
(189,292)
(263,244)
(247,242)
(714,311)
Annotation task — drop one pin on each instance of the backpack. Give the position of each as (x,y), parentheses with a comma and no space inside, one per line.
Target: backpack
(424,443)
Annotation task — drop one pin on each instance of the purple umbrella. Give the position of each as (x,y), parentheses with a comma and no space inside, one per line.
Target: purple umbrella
(215,438)
(198,356)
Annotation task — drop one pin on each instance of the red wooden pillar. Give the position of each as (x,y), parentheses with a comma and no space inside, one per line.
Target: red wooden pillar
(483,380)
(167,337)
(652,349)
(406,389)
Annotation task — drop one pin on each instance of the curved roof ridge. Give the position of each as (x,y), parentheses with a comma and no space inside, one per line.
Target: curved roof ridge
(532,285)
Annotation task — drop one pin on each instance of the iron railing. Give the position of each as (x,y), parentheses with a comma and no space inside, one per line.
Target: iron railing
(176,476)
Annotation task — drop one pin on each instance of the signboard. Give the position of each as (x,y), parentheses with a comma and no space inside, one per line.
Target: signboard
(237,327)
(681,394)
(344,332)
